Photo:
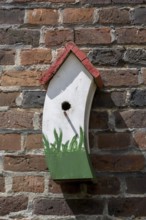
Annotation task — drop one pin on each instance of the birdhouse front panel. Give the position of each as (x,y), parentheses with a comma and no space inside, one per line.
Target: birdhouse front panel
(65,120)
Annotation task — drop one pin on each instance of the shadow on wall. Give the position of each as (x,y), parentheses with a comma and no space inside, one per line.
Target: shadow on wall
(117,142)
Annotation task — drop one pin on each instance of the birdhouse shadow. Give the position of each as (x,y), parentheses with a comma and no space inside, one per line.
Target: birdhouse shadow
(113,145)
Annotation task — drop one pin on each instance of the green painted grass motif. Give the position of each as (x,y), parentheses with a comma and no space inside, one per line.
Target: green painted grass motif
(76,143)
(67,160)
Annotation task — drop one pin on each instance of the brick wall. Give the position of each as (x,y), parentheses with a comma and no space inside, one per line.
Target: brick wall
(113,35)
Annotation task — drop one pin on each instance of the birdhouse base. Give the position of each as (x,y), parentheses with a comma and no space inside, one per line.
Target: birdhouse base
(69,165)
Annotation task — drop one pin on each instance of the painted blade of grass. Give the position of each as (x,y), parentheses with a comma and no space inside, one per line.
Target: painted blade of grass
(73,144)
(81,138)
(53,147)
(46,142)
(65,146)
(58,139)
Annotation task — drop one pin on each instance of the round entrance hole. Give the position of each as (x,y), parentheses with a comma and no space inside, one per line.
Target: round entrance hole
(66,106)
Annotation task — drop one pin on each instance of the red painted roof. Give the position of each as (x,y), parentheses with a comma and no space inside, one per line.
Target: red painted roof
(71,47)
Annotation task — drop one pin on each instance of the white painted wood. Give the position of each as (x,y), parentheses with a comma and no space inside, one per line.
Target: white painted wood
(75,85)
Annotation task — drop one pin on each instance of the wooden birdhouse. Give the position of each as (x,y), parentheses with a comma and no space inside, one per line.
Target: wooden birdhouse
(71,81)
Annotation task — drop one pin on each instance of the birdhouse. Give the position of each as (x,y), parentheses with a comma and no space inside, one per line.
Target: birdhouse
(72,81)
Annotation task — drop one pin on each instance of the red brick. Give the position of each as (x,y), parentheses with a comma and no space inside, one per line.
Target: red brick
(18,119)
(98,120)
(114,141)
(127,207)
(119,77)
(136,184)
(58,37)
(131,35)
(140,139)
(12,16)
(2,184)
(42,16)
(78,15)
(25,163)
(118,163)
(104,185)
(35,56)
(12,204)
(93,36)
(65,188)
(114,15)
(33,141)
(10,142)
(8,98)
(28,184)
(130,119)
(21,78)
(7,57)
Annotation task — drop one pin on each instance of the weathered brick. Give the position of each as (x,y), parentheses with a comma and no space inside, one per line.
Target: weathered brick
(136,184)
(18,119)
(98,120)
(104,99)
(138,98)
(12,16)
(78,15)
(98,36)
(21,78)
(65,188)
(19,36)
(143,73)
(139,15)
(119,98)
(33,99)
(96,2)
(33,141)
(135,56)
(131,35)
(7,57)
(62,207)
(12,204)
(42,16)
(128,1)
(140,139)
(53,1)
(10,142)
(8,98)
(2,184)
(58,37)
(127,206)
(35,56)
(28,184)
(25,163)
(114,141)
(118,163)
(119,77)
(106,56)
(130,119)
(104,185)
(114,15)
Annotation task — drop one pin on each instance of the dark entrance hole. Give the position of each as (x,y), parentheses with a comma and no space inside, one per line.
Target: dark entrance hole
(66,106)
